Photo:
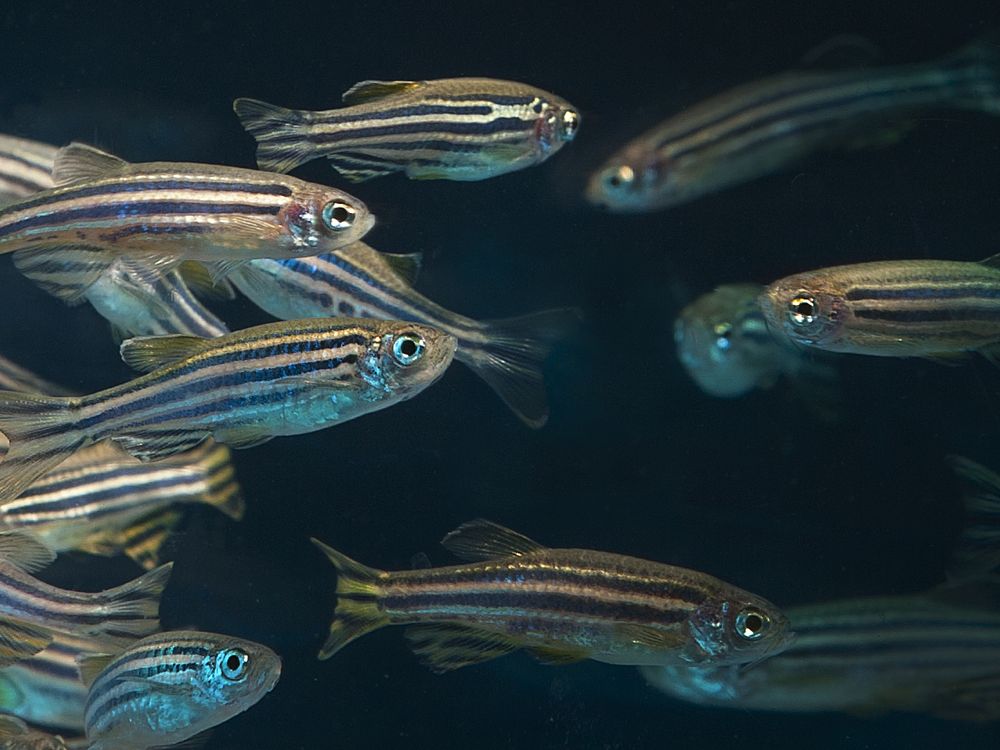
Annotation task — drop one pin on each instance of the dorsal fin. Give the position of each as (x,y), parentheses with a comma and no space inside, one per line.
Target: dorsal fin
(484,540)
(406,265)
(366,91)
(993,261)
(25,551)
(78,161)
(91,665)
(147,353)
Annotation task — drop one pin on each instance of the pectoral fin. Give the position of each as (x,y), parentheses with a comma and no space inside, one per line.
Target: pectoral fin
(556,655)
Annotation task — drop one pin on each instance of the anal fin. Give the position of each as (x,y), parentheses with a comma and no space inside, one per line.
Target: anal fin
(446,647)
(64,271)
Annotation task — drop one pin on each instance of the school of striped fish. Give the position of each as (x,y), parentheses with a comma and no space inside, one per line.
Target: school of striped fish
(151,245)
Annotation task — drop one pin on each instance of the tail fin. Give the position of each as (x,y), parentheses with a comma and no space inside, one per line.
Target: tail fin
(981,59)
(978,551)
(132,610)
(357,610)
(278,131)
(511,358)
(40,434)
(221,488)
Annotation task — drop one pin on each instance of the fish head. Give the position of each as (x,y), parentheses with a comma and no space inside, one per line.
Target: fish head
(634,180)
(737,629)
(723,342)
(318,219)
(235,675)
(806,310)
(404,358)
(558,123)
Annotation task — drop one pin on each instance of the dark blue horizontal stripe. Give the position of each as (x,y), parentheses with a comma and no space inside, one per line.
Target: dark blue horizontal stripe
(926,292)
(333,116)
(116,212)
(983,314)
(433,128)
(506,100)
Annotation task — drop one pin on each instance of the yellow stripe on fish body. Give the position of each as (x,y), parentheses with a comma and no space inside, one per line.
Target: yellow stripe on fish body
(163,212)
(562,604)
(284,378)
(454,129)
(358,280)
(904,308)
(104,501)
(760,127)
(171,686)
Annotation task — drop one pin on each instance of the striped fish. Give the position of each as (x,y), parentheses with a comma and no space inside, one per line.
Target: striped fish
(133,302)
(449,129)
(929,653)
(25,166)
(160,213)
(13,377)
(171,686)
(761,127)
(899,308)
(977,554)
(103,501)
(46,689)
(16,735)
(31,611)
(358,280)
(284,378)
(563,605)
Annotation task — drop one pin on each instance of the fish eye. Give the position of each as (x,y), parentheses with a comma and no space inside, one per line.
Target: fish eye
(751,624)
(233,664)
(621,177)
(802,310)
(570,124)
(338,216)
(408,348)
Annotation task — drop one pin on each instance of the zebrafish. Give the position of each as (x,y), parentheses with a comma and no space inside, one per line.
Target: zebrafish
(977,554)
(563,605)
(358,280)
(161,213)
(171,686)
(25,166)
(16,735)
(761,127)
(449,129)
(897,308)
(929,653)
(244,388)
(31,611)
(46,689)
(103,501)
(134,302)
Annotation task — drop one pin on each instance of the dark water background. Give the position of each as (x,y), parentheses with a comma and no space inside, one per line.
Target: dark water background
(635,459)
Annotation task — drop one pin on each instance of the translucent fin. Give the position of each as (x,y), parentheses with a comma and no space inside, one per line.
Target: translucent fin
(78,161)
(443,648)
(64,271)
(359,169)
(406,265)
(557,655)
(19,641)
(143,540)
(983,57)
(842,51)
(223,490)
(90,666)
(155,446)
(139,601)
(978,550)
(357,610)
(484,540)
(279,133)
(416,172)
(148,353)
(24,551)
(972,700)
(219,270)
(200,280)
(368,91)
(652,638)
(249,436)
(40,433)
(511,359)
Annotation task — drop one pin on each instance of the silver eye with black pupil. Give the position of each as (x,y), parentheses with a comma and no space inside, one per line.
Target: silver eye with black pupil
(233,664)
(408,348)
(751,624)
(802,310)
(339,216)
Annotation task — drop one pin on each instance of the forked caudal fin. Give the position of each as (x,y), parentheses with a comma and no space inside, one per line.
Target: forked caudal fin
(132,609)
(357,610)
(278,131)
(41,434)
(977,553)
(510,360)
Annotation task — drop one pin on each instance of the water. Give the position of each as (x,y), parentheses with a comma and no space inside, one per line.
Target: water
(635,459)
